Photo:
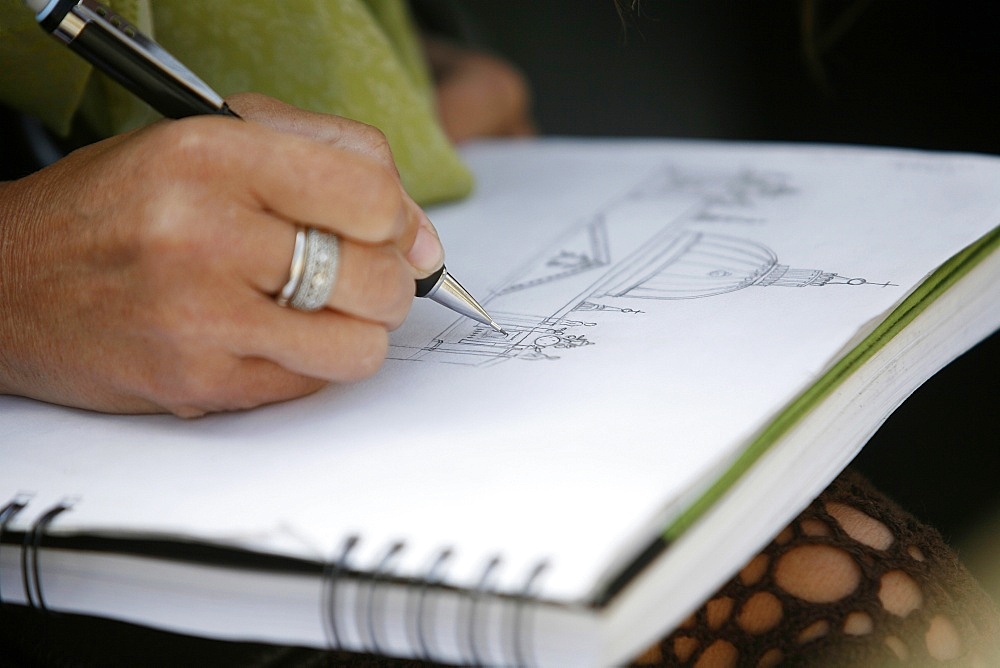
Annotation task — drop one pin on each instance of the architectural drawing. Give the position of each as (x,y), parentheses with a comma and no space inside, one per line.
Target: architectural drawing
(607,266)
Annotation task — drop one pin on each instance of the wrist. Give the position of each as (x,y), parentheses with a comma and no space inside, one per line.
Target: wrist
(14,217)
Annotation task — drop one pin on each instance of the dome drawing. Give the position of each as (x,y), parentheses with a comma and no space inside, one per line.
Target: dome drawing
(689,264)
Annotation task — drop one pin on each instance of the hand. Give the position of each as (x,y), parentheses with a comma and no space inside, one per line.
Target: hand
(478,95)
(137,274)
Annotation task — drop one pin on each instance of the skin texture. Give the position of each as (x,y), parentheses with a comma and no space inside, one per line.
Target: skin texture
(138,274)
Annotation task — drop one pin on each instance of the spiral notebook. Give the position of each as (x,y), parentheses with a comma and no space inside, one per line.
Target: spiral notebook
(699,337)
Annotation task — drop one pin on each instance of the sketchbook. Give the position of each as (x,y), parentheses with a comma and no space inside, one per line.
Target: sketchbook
(699,337)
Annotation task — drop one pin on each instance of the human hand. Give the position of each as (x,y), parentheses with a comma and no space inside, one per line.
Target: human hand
(478,95)
(137,274)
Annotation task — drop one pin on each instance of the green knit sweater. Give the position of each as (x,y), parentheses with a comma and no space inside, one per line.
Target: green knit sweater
(355,58)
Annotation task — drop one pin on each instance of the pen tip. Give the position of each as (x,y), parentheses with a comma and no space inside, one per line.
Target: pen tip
(498,328)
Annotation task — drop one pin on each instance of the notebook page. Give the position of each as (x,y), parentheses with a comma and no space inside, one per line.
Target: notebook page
(663,300)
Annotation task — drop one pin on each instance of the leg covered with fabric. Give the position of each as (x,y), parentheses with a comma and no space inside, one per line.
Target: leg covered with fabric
(854,580)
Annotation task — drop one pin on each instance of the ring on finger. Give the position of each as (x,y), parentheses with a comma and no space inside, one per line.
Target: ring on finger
(311,278)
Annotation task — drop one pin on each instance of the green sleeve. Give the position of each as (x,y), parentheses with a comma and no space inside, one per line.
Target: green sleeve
(356,58)
(37,75)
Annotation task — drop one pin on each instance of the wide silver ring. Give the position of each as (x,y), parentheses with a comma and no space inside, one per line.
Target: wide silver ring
(319,272)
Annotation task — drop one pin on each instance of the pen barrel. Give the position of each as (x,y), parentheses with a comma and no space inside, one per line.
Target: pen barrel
(143,78)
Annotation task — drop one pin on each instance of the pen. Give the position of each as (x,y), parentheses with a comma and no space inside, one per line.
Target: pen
(120,50)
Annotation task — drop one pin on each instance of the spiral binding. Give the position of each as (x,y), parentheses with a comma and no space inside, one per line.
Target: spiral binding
(370,620)
(31,578)
(475,598)
(434,576)
(419,608)
(383,571)
(7,513)
(331,573)
(521,642)
(34,538)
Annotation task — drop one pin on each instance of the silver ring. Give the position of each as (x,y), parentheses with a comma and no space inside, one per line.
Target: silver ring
(322,257)
(295,269)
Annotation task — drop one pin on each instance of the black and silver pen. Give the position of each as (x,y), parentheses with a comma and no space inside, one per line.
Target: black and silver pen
(121,51)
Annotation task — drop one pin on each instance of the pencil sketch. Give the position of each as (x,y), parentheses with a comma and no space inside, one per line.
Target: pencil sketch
(526,338)
(583,249)
(606,266)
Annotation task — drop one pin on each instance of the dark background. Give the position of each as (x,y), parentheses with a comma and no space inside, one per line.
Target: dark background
(922,74)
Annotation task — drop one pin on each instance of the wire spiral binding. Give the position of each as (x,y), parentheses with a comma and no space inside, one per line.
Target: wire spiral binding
(370,620)
(7,513)
(521,641)
(433,577)
(331,573)
(476,597)
(35,538)
(472,631)
(383,571)
(30,573)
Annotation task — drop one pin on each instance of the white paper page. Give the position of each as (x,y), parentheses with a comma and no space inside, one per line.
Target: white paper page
(663,301)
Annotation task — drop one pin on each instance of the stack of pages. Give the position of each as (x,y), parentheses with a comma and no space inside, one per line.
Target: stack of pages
(699,337)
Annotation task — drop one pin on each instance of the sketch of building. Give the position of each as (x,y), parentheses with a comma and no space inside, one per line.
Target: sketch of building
(609,265)
(582,250)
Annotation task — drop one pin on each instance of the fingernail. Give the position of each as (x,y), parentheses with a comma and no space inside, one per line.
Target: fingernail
(426,254)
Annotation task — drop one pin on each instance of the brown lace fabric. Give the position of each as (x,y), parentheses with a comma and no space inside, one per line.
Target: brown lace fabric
(853,581)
